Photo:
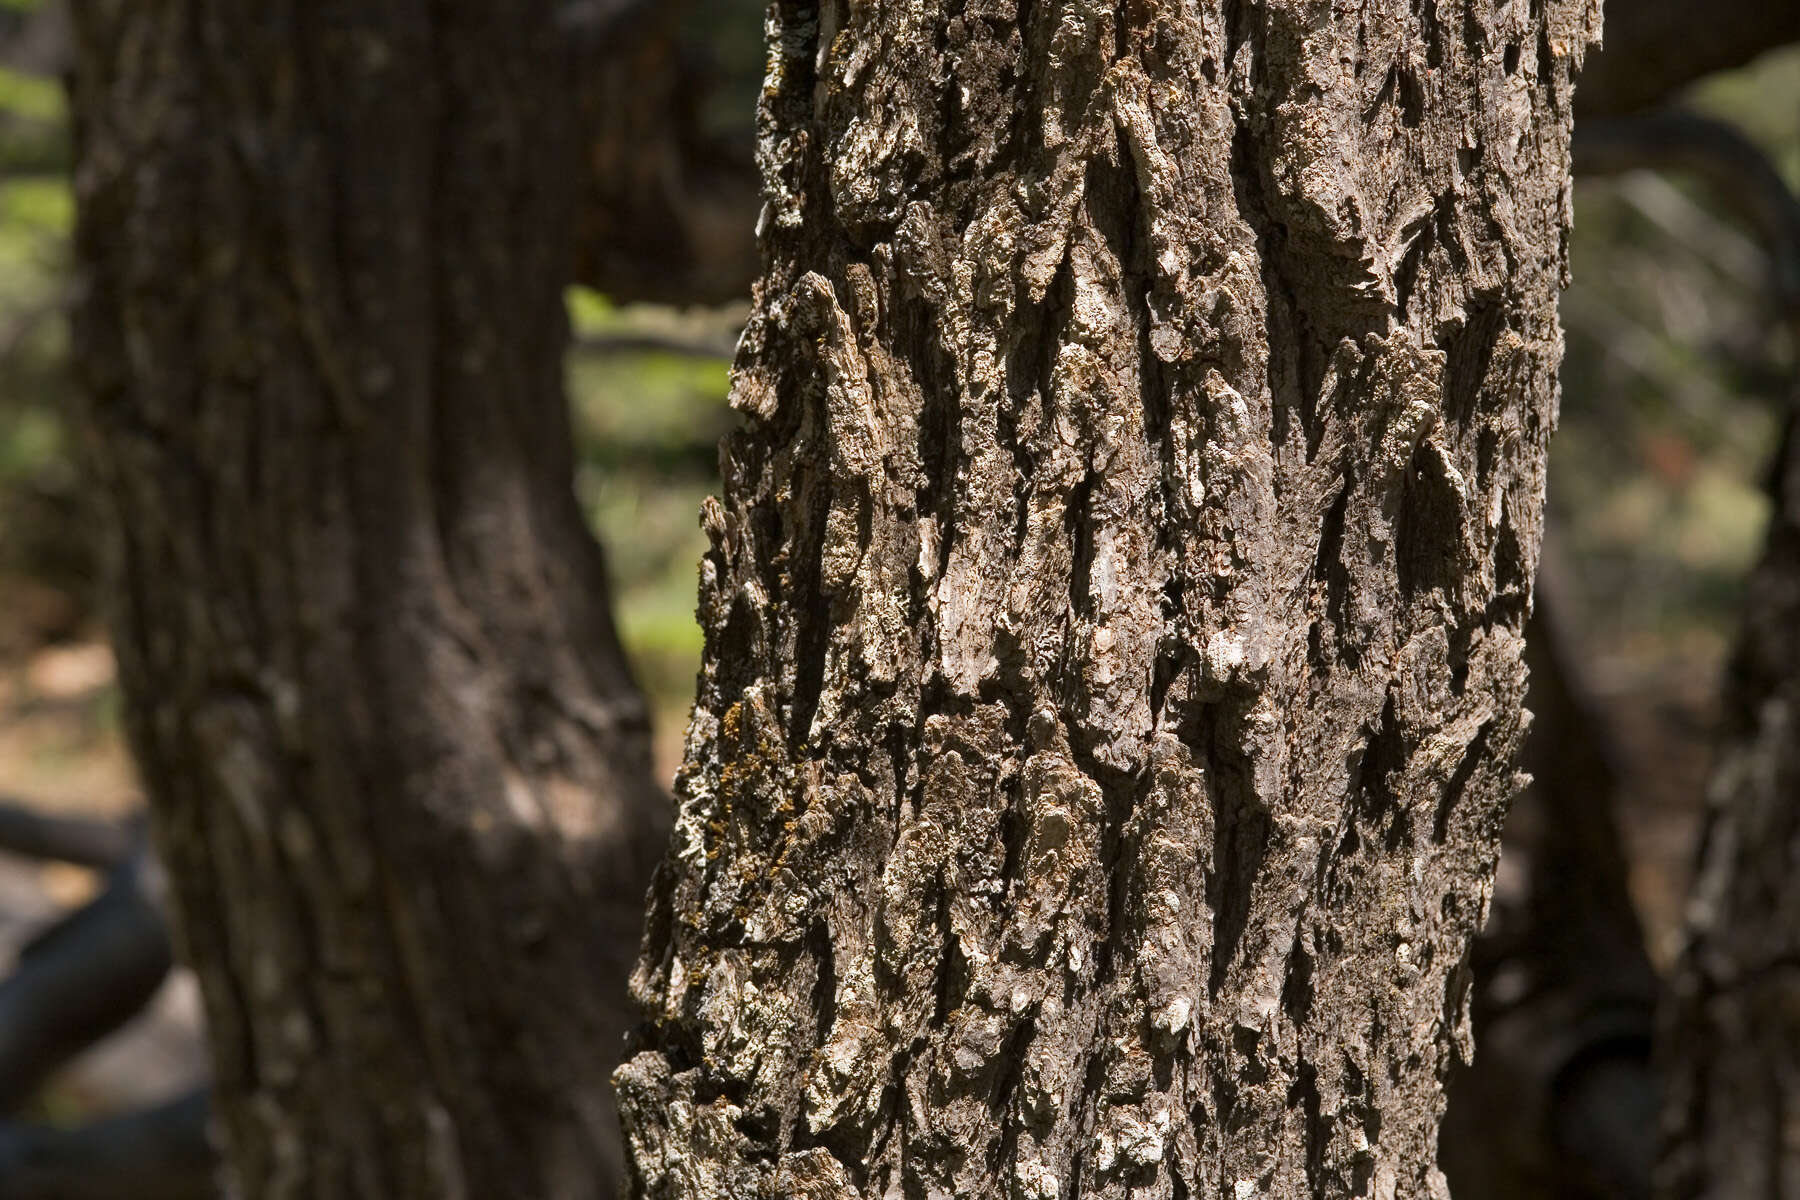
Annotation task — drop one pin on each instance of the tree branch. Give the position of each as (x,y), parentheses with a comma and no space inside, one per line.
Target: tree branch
(84,841)
(1653,48)
(1735,168)
(652,343)
(81,979)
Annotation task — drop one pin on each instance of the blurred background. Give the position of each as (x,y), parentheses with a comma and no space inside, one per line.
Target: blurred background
(1678,364)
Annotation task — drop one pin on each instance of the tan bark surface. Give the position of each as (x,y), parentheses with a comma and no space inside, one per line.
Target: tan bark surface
(1114,611)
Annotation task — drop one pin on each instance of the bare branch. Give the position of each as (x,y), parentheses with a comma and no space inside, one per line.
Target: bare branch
(652,343)
(1653,48)
(1735,167)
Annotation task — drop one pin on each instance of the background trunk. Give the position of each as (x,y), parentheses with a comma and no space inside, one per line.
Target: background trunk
(1732,1035)
(399,771)
(1730,1038)
(669,186)
(1113,670)
(1561,1102)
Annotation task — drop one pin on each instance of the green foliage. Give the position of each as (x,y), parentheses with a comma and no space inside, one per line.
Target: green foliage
(647,426)
(36,480)
(590,312)
(30,97)
(33,123)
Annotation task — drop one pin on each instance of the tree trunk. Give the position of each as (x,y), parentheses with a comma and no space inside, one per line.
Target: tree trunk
(1113,678)
(667,204)
(398,768)
(1732,1034)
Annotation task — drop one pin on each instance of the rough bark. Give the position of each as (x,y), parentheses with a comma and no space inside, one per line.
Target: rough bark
(398,770)
(1113,678)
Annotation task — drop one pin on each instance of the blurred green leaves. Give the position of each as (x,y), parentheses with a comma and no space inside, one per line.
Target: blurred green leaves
(647,423)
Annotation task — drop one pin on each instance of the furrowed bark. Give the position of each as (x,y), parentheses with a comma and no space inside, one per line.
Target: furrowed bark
(398,769)
(1113,679)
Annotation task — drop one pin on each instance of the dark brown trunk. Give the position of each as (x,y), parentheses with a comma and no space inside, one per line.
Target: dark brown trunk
(398,768)
(1113,617)
(668,200)
(1731,1039)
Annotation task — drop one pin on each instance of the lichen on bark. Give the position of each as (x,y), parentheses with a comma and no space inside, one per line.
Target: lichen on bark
(1112,679)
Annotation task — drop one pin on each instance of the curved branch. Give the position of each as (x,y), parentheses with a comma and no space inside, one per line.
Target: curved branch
(81,979)
(1718,153)
(1653,48)
(84,841)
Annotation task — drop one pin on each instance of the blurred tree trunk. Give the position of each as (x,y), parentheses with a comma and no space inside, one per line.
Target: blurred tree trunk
(398,768)
(668,200)
(1113,678)
(1732,1036)
(1561,1101)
